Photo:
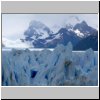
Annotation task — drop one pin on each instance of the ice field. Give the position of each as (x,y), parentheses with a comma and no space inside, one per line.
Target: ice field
(59,67)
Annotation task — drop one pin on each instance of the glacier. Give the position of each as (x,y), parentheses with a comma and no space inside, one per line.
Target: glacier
(59,67)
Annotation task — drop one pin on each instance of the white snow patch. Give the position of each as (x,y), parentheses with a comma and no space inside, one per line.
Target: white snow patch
(57,36)
(78,33)
(45,34)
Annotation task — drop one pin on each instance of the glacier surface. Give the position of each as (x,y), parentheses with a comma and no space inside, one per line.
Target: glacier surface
(60,67)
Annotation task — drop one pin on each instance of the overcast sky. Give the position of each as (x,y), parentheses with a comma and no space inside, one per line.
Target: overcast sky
(14,25)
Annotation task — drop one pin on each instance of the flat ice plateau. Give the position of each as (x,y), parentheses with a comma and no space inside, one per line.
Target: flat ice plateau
(58,67)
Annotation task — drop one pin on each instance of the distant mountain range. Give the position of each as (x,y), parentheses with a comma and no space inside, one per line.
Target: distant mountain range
(81,35)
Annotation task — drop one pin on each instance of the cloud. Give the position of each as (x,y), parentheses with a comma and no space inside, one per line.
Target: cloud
(14,25)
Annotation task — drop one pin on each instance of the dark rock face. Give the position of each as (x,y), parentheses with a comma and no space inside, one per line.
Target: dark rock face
(41,36)
(85,29)
(88,42)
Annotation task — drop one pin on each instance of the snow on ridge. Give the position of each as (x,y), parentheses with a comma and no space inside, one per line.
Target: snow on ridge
(78,33)
(55,37)
(60,67)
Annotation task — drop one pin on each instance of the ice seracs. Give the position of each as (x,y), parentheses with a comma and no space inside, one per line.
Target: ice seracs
(60,67)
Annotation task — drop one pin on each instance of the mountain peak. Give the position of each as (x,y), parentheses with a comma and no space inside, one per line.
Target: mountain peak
(72,21)
(84,23)
(37,30)
(84,29)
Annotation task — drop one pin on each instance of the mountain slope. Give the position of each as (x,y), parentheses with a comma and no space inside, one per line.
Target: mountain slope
(37,30)
(63,37)
(39,35)
(88,42)
(85,29)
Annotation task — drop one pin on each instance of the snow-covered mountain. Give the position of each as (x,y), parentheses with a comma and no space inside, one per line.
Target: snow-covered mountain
(39,35)
(83,29)
(62,37)
(69,24)
(37,30)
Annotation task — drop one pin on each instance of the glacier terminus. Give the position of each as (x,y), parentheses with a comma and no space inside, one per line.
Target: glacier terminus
(59,67)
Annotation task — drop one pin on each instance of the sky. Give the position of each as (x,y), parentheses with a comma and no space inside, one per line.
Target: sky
(14,25)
